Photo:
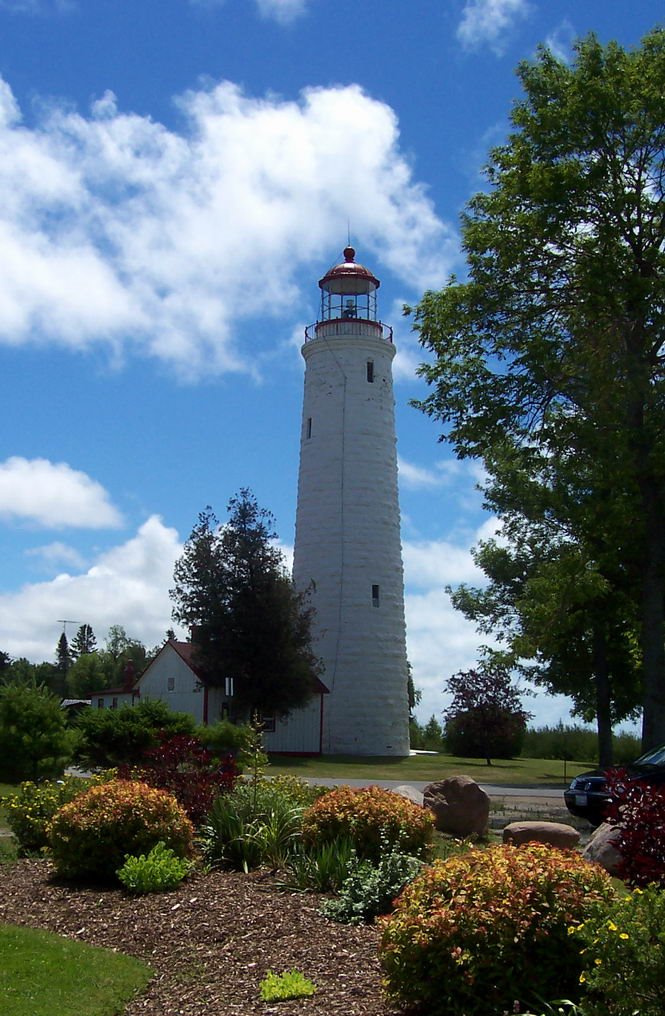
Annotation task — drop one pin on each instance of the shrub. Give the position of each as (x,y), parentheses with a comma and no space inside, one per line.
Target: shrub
(639,812)
(114,737)
(290,984)
(36,741)
(321,868)
(32,807)
(482,930)
(370,890)
(187,770)
(624,956)
(256,824)
(91,835)
(156,872)
(224,738)
(370,817)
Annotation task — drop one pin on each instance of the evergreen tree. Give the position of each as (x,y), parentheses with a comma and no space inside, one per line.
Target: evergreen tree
(84,642)
(248,621)
(63,655)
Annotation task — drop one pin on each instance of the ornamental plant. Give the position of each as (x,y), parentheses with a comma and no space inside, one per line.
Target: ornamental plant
(483,931)
(156,872)
(185,768)
(290,984)
(372,818)
(623,950)
(92,834)
(33,805)
(371,889)
(639,812)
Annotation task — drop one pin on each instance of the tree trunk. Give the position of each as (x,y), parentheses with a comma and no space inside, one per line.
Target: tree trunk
(653,638)
(603,697)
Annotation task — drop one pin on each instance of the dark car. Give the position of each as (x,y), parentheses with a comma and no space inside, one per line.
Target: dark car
(588,797)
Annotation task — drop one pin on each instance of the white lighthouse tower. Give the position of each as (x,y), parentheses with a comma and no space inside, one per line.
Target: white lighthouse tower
(347,545)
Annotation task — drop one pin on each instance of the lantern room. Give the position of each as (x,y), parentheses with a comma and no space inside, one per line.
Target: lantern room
(348,291)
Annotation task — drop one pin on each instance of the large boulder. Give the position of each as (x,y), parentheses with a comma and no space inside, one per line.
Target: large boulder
(459,805)
(557,834)
(602,848)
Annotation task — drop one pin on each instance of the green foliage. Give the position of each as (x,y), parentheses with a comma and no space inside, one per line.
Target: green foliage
(485,718)
(320,868)
(33,731)
(623,951)
(548,367)
(290,984)
(224,738)
(230,583)
(113,737)
(428,738)
(257,823)
(371,817)
(478,931)
(84,642)
(369,890)
(44,974)
(91,835)
(573,741)
(32,807)
(158,871)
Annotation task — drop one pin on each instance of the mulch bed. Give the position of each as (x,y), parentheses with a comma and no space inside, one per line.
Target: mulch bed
(210,942)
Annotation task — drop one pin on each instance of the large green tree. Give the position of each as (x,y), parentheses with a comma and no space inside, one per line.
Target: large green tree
(554,345)
(249,623)
(33,732)
(84,642)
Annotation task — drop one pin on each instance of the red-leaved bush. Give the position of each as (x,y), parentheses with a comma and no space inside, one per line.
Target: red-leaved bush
(638,811)
(184,767)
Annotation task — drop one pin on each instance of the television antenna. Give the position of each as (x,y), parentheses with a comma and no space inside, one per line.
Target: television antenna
(64,621)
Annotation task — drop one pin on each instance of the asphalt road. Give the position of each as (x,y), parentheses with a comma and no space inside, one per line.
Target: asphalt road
(493,790)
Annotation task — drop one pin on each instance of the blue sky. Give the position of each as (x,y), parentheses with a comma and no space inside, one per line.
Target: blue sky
(175,177)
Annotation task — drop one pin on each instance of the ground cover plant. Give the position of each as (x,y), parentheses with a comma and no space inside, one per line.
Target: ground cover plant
(290,984)
(90,836)
(43,974)
(156,872)
(482,930)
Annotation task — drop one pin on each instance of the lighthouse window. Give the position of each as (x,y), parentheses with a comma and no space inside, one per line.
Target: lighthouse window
(309,427)
(376,599)
(370,371)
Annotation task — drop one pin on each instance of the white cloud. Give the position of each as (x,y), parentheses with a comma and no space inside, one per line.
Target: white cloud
(438,563)
(54,495)
(487,22)
(560,41)
(115,230)
(283,11)
(57,553)
(127,585)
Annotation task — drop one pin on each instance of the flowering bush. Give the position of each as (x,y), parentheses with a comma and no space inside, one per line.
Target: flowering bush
(92,834)
(623,950)
(370,817)
(187,770)
(639,812)
(483,930)
(32,807)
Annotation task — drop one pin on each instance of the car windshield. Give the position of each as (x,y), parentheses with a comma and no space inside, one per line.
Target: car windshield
(655,757)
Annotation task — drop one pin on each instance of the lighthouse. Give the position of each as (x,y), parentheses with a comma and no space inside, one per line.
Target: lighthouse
(347,545)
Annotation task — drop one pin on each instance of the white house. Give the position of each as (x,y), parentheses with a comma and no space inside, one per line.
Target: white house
(173,678)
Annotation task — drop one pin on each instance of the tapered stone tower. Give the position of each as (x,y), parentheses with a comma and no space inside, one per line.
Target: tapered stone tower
(347,545)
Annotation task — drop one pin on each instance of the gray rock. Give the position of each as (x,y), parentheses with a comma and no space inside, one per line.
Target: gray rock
(411,793)
(459,805)
(602,849)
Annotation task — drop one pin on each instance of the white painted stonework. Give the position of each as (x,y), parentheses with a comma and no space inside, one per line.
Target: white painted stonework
(348,536)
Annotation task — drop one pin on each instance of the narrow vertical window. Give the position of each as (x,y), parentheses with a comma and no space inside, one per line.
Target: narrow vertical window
(370,371)
(376,599)
(308,428)
(229,687)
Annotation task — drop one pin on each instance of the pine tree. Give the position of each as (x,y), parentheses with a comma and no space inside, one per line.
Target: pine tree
(84,642)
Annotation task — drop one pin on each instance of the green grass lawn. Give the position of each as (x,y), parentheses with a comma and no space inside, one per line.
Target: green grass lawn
(44,974)
(526,772)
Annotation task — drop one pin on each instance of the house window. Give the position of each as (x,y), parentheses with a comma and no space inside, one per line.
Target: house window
(309,427)
(100,703)
(376,598)
(229,686)
(268,724)
(370,371)
(170,684)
